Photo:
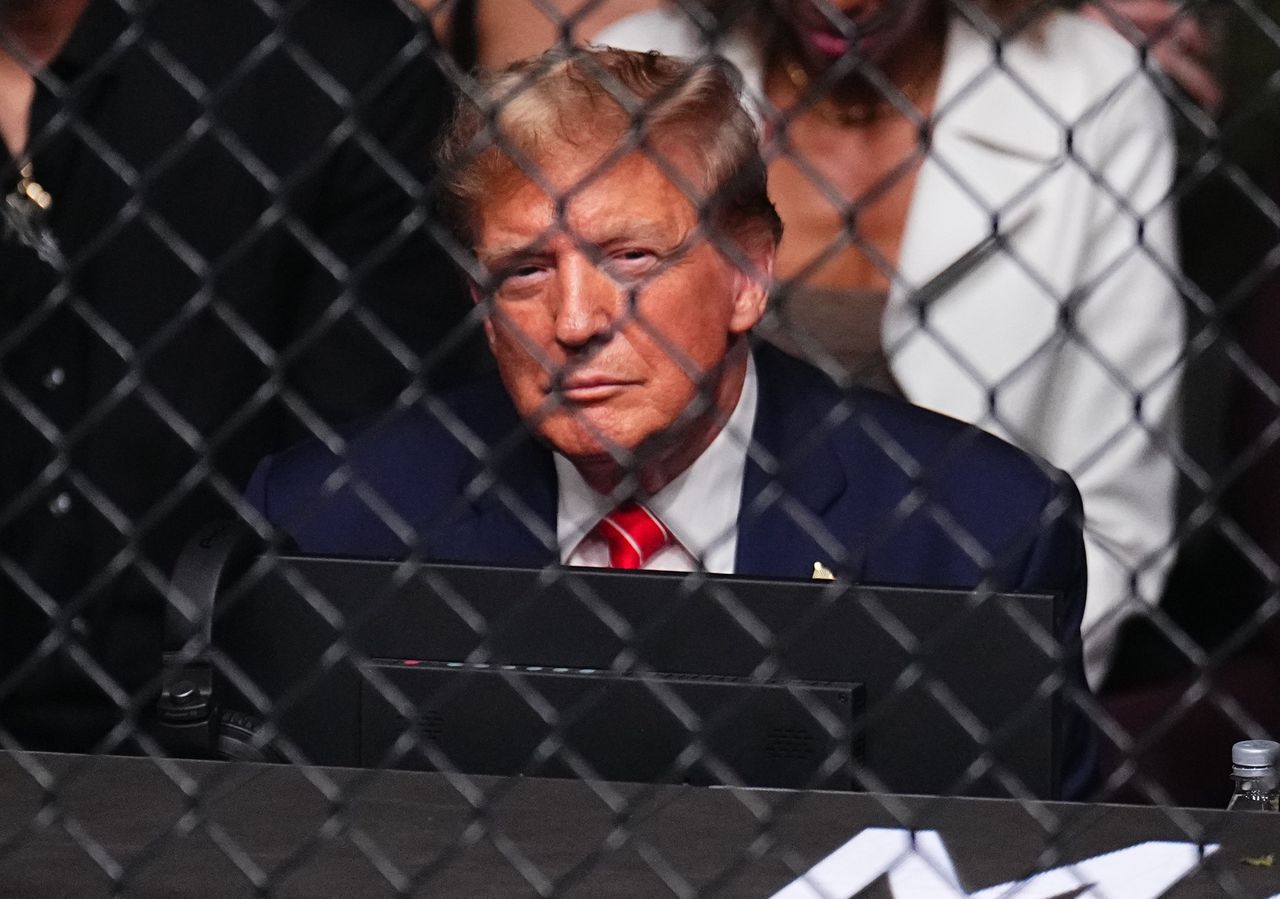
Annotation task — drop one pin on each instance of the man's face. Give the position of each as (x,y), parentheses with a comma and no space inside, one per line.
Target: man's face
(610,326)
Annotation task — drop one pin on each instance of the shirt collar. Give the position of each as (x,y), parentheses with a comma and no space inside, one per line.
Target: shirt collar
(700,506)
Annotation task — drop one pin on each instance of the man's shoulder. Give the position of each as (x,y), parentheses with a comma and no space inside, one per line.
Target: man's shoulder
(855,416)
(925,499)
(361,491)
(897,456)
(941,443)
(425,443)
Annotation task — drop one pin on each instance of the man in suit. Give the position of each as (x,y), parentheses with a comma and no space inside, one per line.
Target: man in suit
(621,271)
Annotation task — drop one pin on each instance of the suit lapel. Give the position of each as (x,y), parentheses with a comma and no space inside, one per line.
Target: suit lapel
(511,516)
(795,489)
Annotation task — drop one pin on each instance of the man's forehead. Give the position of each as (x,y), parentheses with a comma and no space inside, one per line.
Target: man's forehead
(631,194)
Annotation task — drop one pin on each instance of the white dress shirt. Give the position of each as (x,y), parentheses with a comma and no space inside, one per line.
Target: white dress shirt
(700,506)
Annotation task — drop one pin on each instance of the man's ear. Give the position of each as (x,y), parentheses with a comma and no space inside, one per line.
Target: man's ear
(477,298)
(755,280)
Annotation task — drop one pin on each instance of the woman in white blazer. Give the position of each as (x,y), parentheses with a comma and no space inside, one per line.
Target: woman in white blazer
(1025,261)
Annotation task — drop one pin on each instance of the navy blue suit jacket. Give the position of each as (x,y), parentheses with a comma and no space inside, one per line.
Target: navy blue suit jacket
(878,490)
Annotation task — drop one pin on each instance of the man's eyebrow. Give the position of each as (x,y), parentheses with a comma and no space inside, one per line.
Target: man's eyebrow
(608,236)
(631,232)
(507,251)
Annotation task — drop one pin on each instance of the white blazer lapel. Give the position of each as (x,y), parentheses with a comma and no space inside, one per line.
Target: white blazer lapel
(967,307)
(991,143)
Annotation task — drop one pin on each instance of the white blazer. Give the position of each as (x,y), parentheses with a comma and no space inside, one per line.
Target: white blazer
(1036,293)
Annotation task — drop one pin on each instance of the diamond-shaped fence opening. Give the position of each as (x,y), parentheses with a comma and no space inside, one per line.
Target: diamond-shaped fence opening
(306,591)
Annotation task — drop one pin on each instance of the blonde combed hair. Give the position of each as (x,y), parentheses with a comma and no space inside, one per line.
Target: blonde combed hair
(619,101)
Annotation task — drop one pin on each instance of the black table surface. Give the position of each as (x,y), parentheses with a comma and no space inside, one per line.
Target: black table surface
(83,826)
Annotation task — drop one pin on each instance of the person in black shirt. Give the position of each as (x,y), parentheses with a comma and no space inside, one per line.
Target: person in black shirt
(214,241)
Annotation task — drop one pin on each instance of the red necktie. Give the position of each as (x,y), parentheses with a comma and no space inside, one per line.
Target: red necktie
(633,534)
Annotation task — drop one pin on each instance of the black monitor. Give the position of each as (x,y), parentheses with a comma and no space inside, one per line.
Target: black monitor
(645,676)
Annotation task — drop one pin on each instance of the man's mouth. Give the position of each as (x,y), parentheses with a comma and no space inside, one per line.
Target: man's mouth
(588,388)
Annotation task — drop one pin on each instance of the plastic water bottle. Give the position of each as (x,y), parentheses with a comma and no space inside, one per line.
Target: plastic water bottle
(1253,765)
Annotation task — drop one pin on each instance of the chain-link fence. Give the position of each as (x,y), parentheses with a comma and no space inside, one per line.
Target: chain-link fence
(236,231)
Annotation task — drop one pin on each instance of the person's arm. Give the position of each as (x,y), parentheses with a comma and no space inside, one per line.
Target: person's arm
(1113,422)
(378,296)
(1056,563)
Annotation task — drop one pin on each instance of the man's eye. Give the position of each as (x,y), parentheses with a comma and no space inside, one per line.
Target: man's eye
(632,262)
(522,275)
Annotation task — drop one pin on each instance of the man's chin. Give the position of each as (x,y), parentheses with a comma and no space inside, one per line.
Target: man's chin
(592,451)
(598,451)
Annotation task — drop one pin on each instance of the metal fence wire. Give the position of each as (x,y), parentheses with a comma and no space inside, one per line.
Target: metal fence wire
(222,235)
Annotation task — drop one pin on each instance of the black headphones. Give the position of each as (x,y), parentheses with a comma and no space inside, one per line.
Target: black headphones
(189,721)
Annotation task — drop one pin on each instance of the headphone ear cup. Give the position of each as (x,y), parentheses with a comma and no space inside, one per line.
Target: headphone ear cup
(234,739)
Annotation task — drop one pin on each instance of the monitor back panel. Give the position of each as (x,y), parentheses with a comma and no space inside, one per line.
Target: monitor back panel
(560,722)
(944,691)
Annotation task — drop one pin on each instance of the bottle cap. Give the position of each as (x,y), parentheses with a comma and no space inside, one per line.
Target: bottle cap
(1255,753)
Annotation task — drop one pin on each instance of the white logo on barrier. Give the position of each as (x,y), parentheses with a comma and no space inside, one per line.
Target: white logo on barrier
(919,867)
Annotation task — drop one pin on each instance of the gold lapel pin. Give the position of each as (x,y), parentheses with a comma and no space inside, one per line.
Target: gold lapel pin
(822,572)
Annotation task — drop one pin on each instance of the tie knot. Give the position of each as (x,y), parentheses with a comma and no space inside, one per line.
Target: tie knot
(633,534)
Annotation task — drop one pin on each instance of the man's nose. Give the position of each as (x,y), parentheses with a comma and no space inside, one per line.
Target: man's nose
(590,302)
